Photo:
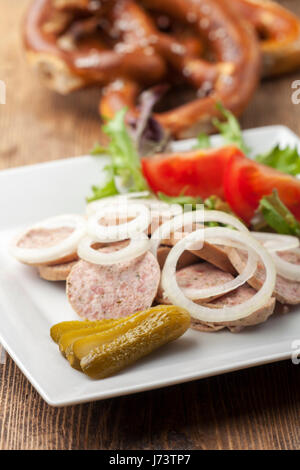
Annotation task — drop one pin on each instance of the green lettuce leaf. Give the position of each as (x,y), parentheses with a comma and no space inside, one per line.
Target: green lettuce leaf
(230,129)
(211,203)
(214,203)
(98,150)
(286,160)
(203,142)
(107,189)
(182,200)
(277,216)
(125,161)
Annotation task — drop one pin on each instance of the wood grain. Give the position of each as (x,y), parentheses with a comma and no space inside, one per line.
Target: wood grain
(252,409)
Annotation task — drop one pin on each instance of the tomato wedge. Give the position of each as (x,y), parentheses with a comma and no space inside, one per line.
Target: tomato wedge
(198,173)
(246,182)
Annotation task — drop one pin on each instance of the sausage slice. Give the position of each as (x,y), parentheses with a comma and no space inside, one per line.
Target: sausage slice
(237,297)
(186,259)
(57,272)
(213,254)
(45,238)
(97,292)
(206,275)
(286,292)
(197,276)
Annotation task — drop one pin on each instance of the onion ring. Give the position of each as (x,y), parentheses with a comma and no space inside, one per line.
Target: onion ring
(241,279)
(159,210)
(189,218)
(208,216)
(162,209)
(124,231)
(51,253)
(138,245)
(206,314)
(95,206)
(274,242)
(285,269)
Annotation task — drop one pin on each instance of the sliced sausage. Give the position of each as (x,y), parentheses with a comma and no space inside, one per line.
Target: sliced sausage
(213,254)
(237,297)
(197,276)
(203,275)
(96,292)
(57,272)
(217,256)
(186,259)
(286,292)
(45,238)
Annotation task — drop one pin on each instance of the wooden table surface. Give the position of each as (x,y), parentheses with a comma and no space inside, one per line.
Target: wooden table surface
(252,409)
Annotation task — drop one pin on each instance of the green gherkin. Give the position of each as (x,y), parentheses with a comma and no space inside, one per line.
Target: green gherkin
(103,354)
(102,348)
(67,340)
(60,329)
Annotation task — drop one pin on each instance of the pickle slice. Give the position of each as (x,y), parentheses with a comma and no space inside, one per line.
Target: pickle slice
(103,354)
(84,347)
(67,339)
(61,328)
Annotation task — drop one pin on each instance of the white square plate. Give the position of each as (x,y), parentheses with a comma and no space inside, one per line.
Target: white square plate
(29,306)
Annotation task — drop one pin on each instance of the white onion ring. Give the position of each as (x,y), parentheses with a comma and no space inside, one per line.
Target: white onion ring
(137,247)
(208,216)
(285,269)
(64,248)
(189,218)
(225,314)
(162,209)
(95,206)
(222,289)
(274,242)
(159,210)
(114,233)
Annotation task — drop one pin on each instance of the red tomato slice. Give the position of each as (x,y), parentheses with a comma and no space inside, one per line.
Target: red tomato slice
(198,173)
(246,182)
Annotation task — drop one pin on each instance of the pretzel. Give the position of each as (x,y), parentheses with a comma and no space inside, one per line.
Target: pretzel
(66,63)
(277,28)
(232,79)
(279,32)
(82,5)
(125,46)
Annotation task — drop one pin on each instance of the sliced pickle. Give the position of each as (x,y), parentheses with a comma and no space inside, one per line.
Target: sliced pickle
(61,328)
(82,348)
(103,354)
(67,339)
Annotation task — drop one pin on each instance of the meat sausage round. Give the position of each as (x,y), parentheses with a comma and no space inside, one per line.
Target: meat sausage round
(198,276)
(286,291)
(97,292)
(46,238)
(57,272)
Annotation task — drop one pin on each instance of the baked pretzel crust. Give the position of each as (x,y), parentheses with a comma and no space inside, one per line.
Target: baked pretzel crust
(279,32)
(232,79)
(218,48)
(67,62)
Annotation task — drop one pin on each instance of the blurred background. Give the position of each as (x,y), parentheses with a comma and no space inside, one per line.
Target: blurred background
(39,125)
